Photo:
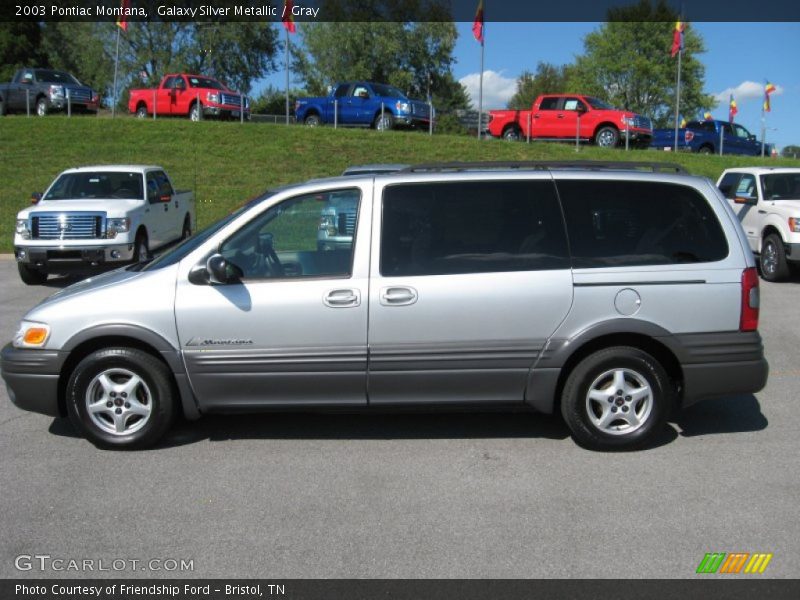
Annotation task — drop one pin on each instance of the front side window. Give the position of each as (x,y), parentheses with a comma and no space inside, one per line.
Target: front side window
(729,184)
(633,223)
(741,132)
(284,241)
(471,227)
(549,103)
(746,188)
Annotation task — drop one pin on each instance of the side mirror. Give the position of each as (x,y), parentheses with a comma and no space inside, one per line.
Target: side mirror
(751,137)
(745,200)
(36,197)
(220,271)
(26,81)
(580,108)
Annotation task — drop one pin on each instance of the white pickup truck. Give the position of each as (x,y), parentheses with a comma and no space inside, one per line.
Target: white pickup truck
(99,217)
(767,202)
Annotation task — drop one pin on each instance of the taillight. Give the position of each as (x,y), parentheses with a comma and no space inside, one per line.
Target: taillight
(750,300)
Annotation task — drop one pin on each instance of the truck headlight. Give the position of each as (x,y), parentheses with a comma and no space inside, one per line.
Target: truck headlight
(212,97)
(402,107)
(22,229)
(629,121)
(31,335)
(327,223)
(56,91)
(794,224)
(115,226)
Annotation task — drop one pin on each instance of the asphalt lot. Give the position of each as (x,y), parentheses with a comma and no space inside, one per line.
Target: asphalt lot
(423,496)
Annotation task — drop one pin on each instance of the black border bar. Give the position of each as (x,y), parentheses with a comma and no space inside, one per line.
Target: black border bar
(393,10)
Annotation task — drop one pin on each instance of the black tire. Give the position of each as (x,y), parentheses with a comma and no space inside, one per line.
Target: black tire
(705,150)
(772,260)
(141,111)
(42,107)
(194,112)
(186,231)
(607,137)
(122,425)
(2,107)
(385,122)
(141,248)
(31,275)
(312,120)
(598,372)
(512,134)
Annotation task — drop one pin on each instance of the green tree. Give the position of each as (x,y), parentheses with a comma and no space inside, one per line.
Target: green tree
(548,79)
(791,152)
(386,45)
(20,46)
(627,62)
(90,60)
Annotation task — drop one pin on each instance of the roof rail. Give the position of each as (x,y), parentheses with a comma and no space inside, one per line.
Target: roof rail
(545,165)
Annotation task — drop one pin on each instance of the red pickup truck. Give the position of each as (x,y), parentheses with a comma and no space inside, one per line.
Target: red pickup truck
(558,117)
(193,96)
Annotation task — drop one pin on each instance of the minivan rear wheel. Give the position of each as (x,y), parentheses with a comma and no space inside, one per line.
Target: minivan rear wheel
(121,398)
(616,398)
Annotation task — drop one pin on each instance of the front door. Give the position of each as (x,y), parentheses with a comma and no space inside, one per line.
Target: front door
(292,332)
(468,281)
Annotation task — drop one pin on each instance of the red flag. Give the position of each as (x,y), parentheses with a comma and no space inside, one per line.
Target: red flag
(288,17)
(677,38)
(122,20)
(768,89)
(733,110)
(477,24)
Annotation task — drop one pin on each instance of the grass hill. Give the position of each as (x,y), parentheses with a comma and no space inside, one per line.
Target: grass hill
(226,163)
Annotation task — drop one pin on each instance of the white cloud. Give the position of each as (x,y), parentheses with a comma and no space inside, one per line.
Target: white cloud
(747,90)
(497,89)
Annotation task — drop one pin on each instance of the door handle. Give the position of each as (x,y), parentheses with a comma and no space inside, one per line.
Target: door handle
(398,296)
(536,116)
(762,212)
(342,298)
(560,116)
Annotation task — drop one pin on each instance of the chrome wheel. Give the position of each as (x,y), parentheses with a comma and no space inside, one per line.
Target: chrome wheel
(769,258)
(511,135)
(607,138)
(383,123)
(194,113)
(41,107)
(619,401)
(118,402)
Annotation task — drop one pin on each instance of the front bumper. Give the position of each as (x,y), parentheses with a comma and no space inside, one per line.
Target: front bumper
(31,378)
(61,104)
(226,111)
(56,259)
(641,137)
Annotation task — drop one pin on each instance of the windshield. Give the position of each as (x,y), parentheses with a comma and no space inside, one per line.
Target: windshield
(598,104)
(205,82)
(781,186)
(190,244)
(97,184)
(387,90)
(49,76)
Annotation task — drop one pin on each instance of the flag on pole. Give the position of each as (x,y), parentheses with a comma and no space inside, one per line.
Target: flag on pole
(707,116)
(768,89)
(477,24)
(122,19)
(683,122)
(733,110)
(677,38)
(288,17)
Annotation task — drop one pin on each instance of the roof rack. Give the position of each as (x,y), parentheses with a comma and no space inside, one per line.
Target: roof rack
(545,165)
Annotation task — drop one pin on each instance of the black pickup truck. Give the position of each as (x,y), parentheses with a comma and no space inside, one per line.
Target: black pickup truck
(46,90)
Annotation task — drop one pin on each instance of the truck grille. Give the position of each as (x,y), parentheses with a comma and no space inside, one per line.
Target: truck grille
(641,122)
(420,109)
(80,95)
(231,99)
(67,226)
(347,223)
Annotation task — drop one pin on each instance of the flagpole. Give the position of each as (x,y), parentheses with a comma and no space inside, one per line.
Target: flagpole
(678,98)
(763,128)
(480,88)
(116,65)
(287,75)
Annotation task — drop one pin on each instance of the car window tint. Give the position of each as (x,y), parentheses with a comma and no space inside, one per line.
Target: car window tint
(746,186)
(341,91)
(728,184)
(307,236)
(471,227)
(549,103)
(632,223)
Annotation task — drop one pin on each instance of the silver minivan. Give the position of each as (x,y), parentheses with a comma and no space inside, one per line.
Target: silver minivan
(606,292)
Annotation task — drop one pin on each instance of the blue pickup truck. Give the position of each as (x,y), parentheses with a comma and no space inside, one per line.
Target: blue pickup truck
(364,104)
(704,137)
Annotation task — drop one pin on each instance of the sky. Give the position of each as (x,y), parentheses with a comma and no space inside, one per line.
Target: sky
(739,57)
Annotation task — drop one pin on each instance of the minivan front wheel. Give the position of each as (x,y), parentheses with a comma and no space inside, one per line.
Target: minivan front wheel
(121,398)
(616,398)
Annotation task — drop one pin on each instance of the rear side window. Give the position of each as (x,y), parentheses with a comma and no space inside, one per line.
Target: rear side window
(471,227)
(632,223)
(549,103)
